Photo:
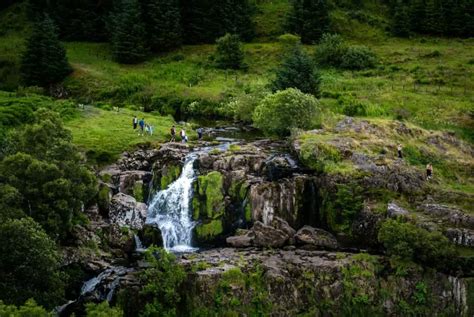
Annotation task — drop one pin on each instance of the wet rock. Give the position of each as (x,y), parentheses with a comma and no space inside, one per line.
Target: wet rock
(132,181)
(151,235)
(241,241)
(459,236)
(316,237)
(125,211)
(395,211)
(268,237)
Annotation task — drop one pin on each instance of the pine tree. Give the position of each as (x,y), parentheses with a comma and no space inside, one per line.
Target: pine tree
(163,24)
(309,19)
(401,21)
(297,71)
(229,52)
(434,20)
(417,15)
(128,33)
(44,62)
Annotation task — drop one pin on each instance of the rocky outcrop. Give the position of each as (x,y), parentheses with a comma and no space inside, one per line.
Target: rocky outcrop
(125,211)
(316,238)
(395,211)
(451,215)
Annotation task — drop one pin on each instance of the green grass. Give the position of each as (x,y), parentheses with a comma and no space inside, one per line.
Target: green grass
(100,130)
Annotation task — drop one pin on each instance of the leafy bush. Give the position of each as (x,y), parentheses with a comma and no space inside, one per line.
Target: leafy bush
(29,264)
(355,109)
(29,309)
(102,310)
(243,106)
(406,241)
(285,110)
(330,50)
(162,281)
(229,52)
(358,57)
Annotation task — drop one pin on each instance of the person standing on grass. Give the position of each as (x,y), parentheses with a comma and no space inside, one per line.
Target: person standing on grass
(150,129)
(199,132)
(173,134)
(135,122)
(147,128)
(399,150)
(141,123)
(429,171)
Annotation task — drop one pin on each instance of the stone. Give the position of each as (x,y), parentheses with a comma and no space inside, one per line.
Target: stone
(459,236)
(395,211)
(316,237)
(241,241)
(268,237)
(125,211)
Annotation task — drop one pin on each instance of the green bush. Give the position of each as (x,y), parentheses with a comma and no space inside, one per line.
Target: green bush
(229,52)
(285,110)
(355,109)
(358,57)
(241,108)
(162,281)
(102,310)
(29,309)
(330,50)
(29,264)
(406,241)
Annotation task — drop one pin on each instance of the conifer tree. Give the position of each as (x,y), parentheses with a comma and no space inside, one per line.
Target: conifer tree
(297,71)
(128,33)
(229,52)
(401,21)
(417,15)
(309,19)
(434,20)
(163,24)
(44,62)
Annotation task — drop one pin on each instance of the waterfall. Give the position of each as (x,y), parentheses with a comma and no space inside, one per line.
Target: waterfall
(170,209)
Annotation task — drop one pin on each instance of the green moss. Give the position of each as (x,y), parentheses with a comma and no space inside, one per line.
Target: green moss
(103,198)
(138,191)
(316,153)
(210,230)
(470,296)
(248,212)
(107,178)
(169,174)
(210,196)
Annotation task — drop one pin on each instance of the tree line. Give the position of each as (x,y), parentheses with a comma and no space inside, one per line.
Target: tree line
(433,17)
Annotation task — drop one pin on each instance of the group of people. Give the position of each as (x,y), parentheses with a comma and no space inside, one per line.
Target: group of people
(429,166)
(144,128)
(182,134)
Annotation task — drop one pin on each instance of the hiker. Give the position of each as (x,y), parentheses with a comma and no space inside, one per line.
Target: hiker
(429,171)
(184,137)
(150,129)
(135,122)
(147,128)
(399,150)
(141,123)
(199,132)
(173,134)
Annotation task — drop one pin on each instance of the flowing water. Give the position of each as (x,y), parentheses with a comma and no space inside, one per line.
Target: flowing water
(171,208)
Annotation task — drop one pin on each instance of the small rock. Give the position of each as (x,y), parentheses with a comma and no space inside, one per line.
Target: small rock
(394,211)
(316,237)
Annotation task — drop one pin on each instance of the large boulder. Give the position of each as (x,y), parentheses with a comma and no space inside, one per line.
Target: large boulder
(276,235)
(395,211)
(125,211)
(316,237)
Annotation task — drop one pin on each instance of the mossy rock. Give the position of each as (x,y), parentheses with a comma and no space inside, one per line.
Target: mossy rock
(169,174)
(103,199)
(138,191)
(151,235)
(208,201)
(207,232)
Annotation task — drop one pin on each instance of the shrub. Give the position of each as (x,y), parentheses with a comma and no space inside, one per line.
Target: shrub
(285,110)
(358,57)
(330,50)
(406,241)
(102,310)
(29,264)
(229,52)
(162,281)
(243,106)
(352,107)
(29,309)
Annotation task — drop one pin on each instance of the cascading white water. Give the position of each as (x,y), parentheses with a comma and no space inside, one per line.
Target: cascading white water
(170,210)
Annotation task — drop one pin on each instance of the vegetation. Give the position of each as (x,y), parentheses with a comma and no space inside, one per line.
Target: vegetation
(30,308)
(29,265)
(297,70)
(102,310)
(309,19)
(44,61)
(285,110)
(229,52)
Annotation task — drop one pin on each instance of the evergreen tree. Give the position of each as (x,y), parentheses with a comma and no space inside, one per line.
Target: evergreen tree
(309,19)
(434,20)
(128,33)
(44,62)
(163,24)
(297,71)
(229,52)
(417,15)
(401,21)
